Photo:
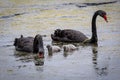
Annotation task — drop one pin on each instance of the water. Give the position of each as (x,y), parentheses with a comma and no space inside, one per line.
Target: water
(30,17)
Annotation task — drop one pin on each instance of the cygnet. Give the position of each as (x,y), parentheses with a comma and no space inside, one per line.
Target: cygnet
(53,49)
(69,47)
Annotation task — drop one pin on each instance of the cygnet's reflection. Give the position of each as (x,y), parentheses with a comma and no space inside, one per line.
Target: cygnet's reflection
(40,68)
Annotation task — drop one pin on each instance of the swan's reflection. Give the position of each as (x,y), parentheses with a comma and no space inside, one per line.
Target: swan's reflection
(23,56)
(29,57)
(101,71)
(38,61)
(101,68)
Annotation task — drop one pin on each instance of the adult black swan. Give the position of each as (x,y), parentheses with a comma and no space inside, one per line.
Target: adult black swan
(68,35)
(30,44)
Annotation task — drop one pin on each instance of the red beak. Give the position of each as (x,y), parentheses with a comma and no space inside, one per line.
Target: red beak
(105,17)
(41,55)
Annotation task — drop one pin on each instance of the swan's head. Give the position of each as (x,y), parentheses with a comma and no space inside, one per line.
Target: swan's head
(102,14)
(41,53)
(18,41)
(57,32)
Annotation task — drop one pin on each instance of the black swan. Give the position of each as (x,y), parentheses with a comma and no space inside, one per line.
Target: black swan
(30,44)
(68,35)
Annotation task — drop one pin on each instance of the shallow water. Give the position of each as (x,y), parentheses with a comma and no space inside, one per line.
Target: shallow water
(31,17)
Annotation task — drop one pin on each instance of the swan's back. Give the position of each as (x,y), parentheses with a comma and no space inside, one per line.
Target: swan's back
(24,44)
(74,35)
(69,35)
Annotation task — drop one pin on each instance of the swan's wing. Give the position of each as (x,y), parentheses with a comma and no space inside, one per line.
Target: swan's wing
(24,44)
(74,35)
(61,39)
(68,35)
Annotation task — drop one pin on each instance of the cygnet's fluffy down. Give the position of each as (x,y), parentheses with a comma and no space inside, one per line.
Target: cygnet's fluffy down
(53,48)
(69,47)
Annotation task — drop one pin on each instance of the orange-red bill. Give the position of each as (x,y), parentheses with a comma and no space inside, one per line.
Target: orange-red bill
(41,55)
(105,17)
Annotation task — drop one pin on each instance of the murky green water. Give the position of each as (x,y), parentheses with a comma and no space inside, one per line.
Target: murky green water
(43,17)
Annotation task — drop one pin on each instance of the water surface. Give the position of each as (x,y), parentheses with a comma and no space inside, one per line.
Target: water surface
(31,17)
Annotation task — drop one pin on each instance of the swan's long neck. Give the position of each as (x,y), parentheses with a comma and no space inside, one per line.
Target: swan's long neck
(38,45)
(94,38)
